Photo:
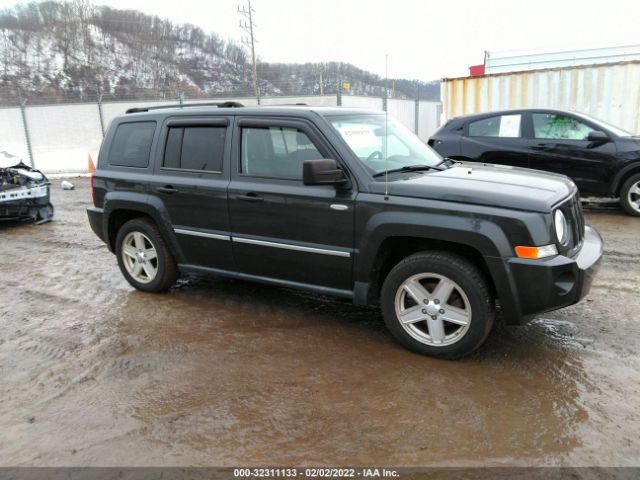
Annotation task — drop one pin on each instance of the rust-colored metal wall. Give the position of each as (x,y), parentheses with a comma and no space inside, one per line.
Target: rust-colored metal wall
(609,92)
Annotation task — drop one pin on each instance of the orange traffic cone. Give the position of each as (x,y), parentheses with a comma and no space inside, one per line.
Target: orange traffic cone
(91,166)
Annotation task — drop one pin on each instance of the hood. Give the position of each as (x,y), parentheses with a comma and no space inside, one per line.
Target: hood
(7,160)
(628,144)
(485,184)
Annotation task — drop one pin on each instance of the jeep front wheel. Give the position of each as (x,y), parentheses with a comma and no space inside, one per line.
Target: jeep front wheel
(143,257)
(437,304)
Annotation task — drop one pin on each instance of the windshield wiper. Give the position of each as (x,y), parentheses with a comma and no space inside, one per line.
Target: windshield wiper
(407,168)
(448,161)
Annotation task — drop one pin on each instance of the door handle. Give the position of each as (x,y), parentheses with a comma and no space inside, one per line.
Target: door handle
(167,189)
(250,197)
(540,146)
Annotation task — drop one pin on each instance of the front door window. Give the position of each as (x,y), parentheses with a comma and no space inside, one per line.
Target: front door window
(276,152)
(553,126)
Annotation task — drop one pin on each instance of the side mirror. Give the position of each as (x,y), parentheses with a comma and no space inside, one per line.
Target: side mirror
(597,137)
(322,172)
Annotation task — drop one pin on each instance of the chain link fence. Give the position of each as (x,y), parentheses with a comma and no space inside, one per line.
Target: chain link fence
(58,138)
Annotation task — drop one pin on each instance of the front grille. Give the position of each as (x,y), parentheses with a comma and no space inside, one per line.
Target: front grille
(572,209)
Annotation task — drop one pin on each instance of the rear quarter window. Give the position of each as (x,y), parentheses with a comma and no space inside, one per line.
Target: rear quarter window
(131,145)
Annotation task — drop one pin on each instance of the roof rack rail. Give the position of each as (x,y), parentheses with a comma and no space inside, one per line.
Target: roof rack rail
(186,105)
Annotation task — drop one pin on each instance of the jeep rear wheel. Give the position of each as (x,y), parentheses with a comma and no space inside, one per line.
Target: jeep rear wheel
(143,256)
(437,304)
(630,196)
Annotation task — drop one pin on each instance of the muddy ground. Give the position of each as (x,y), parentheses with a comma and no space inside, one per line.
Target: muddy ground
(221,372)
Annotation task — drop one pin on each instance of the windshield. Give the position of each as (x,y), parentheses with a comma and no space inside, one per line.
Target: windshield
(612,128)
(365,135)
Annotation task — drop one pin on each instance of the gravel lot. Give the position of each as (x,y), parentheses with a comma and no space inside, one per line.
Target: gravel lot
(221,372)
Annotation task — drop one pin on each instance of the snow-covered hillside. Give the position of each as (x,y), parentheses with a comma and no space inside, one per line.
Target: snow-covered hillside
(56,51)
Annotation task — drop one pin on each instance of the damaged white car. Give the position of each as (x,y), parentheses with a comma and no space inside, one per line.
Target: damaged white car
(24,191)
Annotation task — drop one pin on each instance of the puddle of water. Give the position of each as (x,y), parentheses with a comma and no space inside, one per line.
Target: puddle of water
(219,372)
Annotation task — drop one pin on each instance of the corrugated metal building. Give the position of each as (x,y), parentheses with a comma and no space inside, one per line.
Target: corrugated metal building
(608,91)
(513,61)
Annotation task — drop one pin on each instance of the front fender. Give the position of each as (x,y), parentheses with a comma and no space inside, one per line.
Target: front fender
(621,176)
(481,234)
(491,232)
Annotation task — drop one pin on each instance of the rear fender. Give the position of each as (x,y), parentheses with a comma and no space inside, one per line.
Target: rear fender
(147,205)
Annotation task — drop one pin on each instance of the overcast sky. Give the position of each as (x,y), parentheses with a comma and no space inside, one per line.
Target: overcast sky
(424,39)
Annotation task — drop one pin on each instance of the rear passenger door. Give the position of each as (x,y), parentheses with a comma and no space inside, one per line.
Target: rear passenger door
(281,228)
(191,179)
(496,139)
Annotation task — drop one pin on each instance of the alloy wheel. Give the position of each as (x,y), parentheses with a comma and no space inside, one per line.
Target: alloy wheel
(140,257)
(433,309)
(634,196)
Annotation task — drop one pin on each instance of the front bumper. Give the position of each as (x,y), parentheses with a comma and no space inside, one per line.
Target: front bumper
(549,284)
(33,203)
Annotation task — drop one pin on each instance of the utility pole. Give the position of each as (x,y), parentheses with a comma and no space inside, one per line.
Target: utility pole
(321,84)
(25,125)
(247,25)
(100,115)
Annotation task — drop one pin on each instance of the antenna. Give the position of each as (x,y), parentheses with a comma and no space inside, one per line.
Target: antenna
(386,126)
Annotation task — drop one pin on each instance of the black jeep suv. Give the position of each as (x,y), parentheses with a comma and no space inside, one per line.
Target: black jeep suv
(602,159)
(343,202)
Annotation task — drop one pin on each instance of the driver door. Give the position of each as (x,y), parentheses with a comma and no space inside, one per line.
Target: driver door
(559,144)
(281,228)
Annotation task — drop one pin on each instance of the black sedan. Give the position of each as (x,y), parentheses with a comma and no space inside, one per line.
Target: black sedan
(603,160)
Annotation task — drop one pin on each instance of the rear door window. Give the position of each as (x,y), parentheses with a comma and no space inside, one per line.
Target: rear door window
(131,145)
(505,126)
(198,148)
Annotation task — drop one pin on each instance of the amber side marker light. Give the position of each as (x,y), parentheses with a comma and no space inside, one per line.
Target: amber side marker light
(536,252)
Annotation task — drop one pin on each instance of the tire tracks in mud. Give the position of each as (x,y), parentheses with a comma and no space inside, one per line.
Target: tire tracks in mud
(212,377)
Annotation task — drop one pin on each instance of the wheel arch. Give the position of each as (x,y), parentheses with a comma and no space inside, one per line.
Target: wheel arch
(478,238)
(623,176)
(393,250)
(119,209)
(117,219)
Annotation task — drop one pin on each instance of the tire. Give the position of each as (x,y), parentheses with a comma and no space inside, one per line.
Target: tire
(630,195)
(129,248)
(438,274)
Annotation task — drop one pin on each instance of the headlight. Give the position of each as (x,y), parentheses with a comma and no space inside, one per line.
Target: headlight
(562,227)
